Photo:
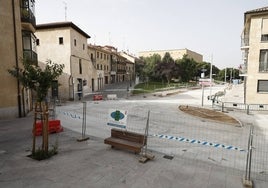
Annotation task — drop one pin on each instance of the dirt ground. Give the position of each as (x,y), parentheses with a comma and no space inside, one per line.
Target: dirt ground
(209,114)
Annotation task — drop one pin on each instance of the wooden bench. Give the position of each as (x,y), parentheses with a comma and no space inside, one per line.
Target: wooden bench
(126,140)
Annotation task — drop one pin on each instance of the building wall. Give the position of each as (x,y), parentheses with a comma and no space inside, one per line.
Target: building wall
(50,49)
(9,91)
(73,54)
(101,58)
(175,54)
(253,74)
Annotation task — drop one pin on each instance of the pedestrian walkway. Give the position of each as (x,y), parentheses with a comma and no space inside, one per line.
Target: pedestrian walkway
(94,164)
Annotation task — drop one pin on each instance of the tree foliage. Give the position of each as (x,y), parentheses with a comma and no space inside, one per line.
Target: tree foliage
(187,67)
(184,69)
(37,79)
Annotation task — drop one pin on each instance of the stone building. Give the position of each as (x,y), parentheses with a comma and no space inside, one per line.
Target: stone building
(66,43)
(254,45)
(18,42)
(175,54)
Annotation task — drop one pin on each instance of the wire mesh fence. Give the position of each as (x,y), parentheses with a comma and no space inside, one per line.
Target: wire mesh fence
(176,134)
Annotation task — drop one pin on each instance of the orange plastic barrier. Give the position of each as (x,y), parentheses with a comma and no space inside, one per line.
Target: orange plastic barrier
(97,97)
(54,126)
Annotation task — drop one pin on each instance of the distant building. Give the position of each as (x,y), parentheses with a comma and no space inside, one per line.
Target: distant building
(175,54)
(254,45)
(101,60)
(111,66)
(17,42)
(65,43)
(130,66)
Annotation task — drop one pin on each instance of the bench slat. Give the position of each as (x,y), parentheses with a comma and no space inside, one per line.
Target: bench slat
(123,144)
(126,140)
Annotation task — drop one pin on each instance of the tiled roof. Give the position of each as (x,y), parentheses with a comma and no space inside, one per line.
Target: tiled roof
(263,9)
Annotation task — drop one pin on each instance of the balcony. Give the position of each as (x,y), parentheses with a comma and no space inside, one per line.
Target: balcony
(121,71)
(27,16)
(242,70)
(245,42)
(31,56)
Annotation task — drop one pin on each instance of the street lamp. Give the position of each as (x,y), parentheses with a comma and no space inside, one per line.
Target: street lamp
(202,76)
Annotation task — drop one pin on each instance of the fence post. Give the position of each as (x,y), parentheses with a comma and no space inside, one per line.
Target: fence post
(84,124)
(248,109)
(247,179)
(222,107)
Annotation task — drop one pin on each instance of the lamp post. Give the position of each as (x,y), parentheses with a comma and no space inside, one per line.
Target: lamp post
(202,76)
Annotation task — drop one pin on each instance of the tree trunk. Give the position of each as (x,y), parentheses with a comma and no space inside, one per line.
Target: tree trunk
(41,113)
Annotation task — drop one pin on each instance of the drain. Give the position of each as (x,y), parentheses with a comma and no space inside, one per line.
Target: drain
(168,157)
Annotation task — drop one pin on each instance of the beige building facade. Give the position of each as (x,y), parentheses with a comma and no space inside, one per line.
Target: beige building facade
(101,61)
(175,54)
(65,43)
(254,46)
(17,18)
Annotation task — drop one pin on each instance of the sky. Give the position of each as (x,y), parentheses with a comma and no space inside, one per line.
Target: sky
(209,27)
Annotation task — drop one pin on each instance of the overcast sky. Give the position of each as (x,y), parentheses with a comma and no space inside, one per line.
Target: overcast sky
(209,27)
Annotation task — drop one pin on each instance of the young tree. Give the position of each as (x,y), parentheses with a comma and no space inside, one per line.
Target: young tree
(39,80)
(34,78)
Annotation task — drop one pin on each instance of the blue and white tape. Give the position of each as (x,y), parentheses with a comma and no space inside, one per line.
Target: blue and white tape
(71,115)
(194,141)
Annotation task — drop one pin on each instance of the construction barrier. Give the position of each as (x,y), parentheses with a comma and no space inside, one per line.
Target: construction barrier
(54,126)
(97,97)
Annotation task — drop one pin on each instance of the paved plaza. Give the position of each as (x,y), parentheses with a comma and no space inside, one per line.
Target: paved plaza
(94,164)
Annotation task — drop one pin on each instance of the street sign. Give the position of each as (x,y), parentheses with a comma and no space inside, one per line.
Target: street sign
(117,118)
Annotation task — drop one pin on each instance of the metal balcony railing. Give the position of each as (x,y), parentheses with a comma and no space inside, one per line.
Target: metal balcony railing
(245,41)
(28,16)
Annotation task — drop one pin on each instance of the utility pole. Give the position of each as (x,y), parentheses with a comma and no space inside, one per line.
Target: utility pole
(225,76)
(210,76)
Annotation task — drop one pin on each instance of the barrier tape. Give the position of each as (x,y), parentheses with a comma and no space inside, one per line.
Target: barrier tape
(193,141)
(71,115)
(180,139)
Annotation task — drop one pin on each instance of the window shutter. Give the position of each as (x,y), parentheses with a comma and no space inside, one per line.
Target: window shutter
(265,26)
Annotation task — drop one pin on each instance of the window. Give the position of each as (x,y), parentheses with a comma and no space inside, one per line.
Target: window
(97,54)
(60,40)
(262,86)
(29,46)
(98,66)
(80,66)
(74,42)
(263,65)
(37,42)
(264,30)
(101,55)
(264,38)
(104,56)
(83,46)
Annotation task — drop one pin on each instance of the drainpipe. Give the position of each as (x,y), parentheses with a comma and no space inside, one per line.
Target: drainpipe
(17,62)
(71,76)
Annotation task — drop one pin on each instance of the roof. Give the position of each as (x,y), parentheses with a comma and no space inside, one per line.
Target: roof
(258,10)
(55,25)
